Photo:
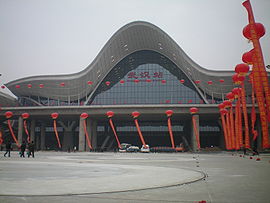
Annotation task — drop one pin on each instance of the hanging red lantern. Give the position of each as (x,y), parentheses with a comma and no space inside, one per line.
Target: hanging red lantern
(148,80)
(29,86)
(209,82)
(227,103)
(136,81)
(169,113)
(259,28)
(223,111)
(221,81)
(247,57)
(84,115)
(230,96)
(221,106)
(237,79)
(54,115)
(41,85)
(182,81)
(62,84)
(110,114)
(197,81)
(8,114)
(89,82)
(242,69)
(236,91)
(17,86)
(25,115)
(163,81)
(122,81)
(135,114)
(107,83)
(193,110)
(3,87)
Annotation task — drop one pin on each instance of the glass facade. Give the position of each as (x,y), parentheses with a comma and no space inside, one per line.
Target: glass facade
(145,77)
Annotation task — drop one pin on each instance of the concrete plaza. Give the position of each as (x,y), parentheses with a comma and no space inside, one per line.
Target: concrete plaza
(134,177)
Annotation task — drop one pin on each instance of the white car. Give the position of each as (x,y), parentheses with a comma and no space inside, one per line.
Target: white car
(145,149)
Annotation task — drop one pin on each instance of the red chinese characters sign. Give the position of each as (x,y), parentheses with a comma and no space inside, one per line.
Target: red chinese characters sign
(144,75)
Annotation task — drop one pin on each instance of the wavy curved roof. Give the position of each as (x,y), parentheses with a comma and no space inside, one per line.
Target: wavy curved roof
(130,38)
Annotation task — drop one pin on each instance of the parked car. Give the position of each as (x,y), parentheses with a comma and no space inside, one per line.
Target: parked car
(124,147)
(133,149)
(145,149)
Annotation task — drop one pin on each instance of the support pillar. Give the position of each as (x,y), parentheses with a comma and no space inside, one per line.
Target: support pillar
(20,130)
(81,136)
(32,130)
(193,135)
(42,137)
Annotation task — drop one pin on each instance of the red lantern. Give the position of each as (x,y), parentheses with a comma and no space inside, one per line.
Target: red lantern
(84,115)
(197,81)
(169,113)
(227,103)
(209,82)
(54,115)
(230,96)
(25,115)
(223,111)
(29,86)
(182,81)
(17,86)
(148,80)
(110,114)
(3,87)
(237,79)
(247,57)
(221,81)
(193,110)
(136,81)
(135,114)
(259,28)
(236,91)
(62,84)
(122,81)
(242,69)
(89,82)
(107,83)
(163,81)
(8,114)
(41,85)
(221,106)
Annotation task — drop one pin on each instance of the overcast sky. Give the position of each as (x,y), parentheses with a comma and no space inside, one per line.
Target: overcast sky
(40,37)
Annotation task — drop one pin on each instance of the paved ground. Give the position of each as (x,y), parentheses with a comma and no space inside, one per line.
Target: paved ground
(134,177)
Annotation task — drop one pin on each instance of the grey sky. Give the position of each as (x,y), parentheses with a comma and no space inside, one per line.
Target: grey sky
(40,37)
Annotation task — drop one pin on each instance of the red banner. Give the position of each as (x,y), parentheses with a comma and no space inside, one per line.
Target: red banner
(170,132)
(244,106)
(26,131)
(1,138)
(232,127)
(261,82)
(229,131)
(56,133)
(224,130)
(253,111)
(12,133)
(196,132)
(240,123)
(86,135)
(139,132)
(114,132)
(236,120)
